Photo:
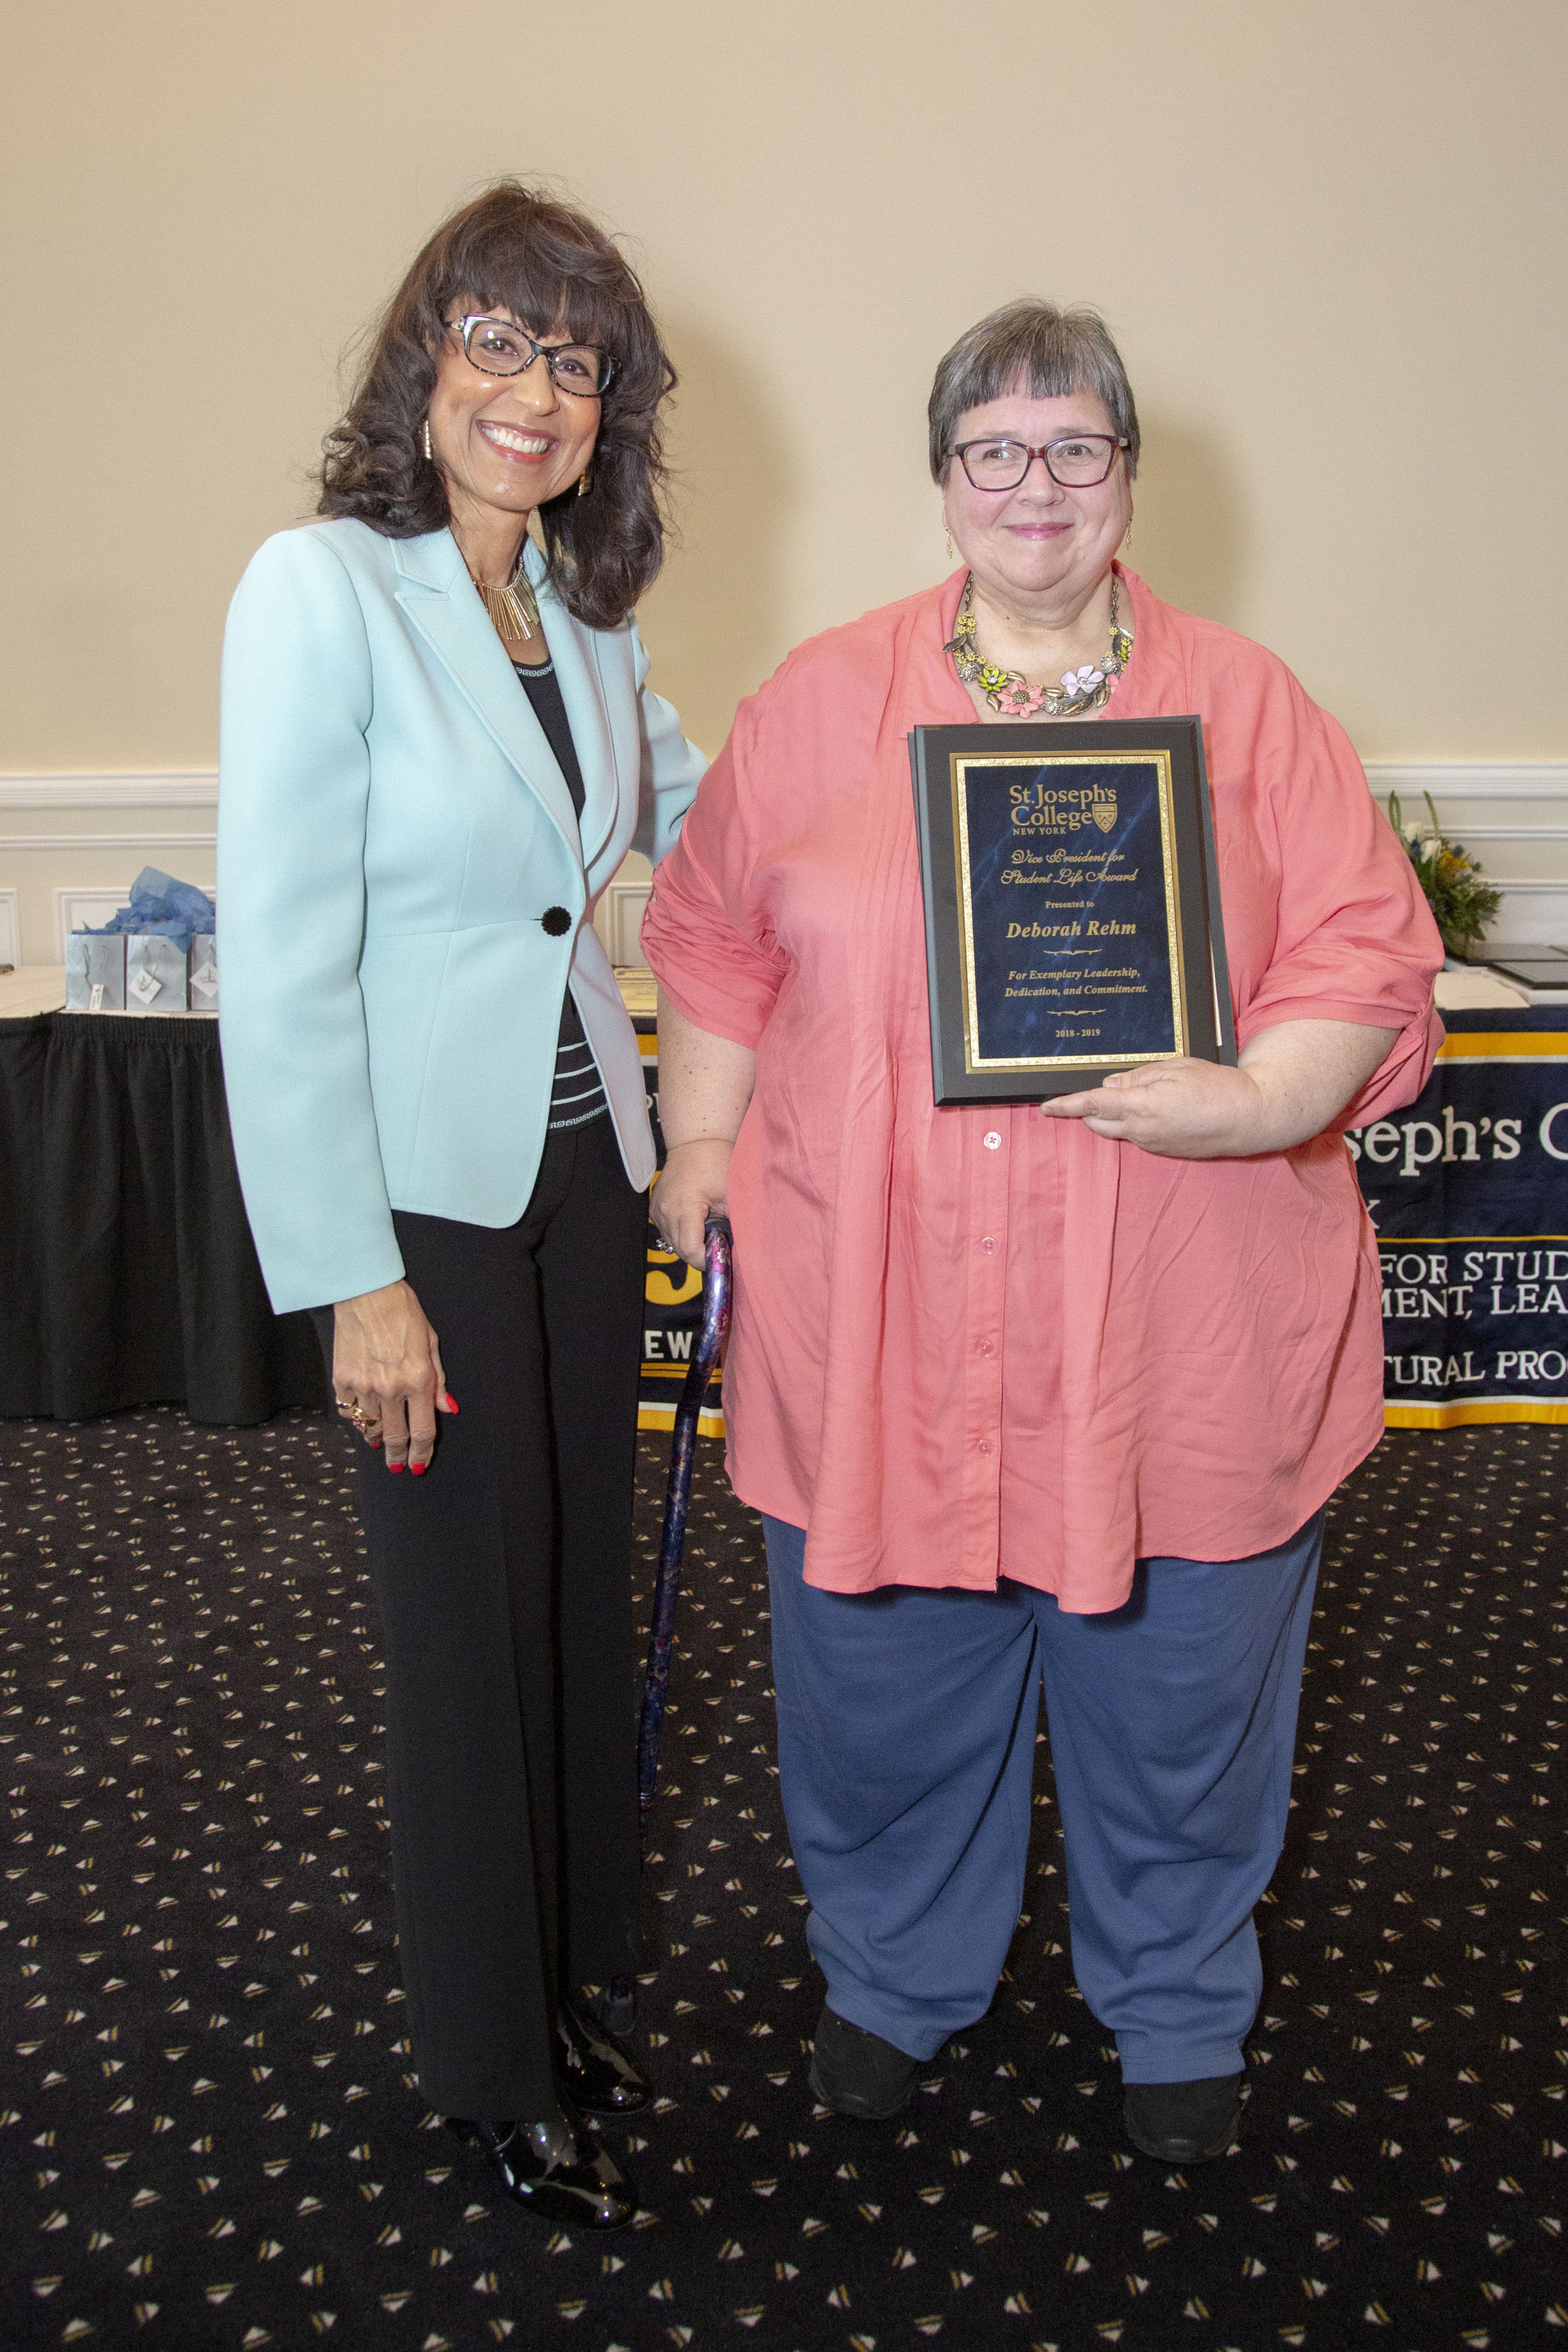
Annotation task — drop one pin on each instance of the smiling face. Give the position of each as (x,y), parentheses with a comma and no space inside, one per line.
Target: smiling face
(1043,548)
(505,444)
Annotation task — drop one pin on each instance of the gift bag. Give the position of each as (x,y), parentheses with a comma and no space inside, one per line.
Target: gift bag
(95,973)
(160,939)
(154,973)
(203,981)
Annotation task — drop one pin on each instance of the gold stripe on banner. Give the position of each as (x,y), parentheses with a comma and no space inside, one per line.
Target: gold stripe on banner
(1505,1045)
(1508,1241)
(662,1416)
(654,1413)
(1473,1409)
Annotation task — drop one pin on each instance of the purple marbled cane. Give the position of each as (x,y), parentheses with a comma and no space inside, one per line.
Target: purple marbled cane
(678,1494)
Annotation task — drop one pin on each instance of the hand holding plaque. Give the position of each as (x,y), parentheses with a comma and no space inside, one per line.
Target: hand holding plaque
(1071,904)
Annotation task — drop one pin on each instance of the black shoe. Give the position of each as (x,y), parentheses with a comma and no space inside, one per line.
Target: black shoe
(598,2075)
(1183,2123)
(615,2007)
(856,2072)
(563,2175)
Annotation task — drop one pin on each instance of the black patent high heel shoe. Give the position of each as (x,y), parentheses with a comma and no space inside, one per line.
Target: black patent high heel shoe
(599,2076)
(549,2168)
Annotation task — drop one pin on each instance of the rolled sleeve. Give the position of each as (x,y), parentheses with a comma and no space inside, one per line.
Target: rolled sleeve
(1355,940)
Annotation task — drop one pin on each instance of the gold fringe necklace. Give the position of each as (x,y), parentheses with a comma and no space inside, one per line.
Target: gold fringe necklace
(513,609)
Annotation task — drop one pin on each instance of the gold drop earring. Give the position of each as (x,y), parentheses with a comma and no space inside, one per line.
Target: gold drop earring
(584,481)
(950,546)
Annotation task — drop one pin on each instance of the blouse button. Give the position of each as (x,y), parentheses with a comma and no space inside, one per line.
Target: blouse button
(992,1141)
(988,1246)
(555,921)
(984,1445)
(985,1346)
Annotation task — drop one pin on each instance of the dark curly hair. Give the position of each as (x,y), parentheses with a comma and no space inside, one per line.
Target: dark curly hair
(518,250)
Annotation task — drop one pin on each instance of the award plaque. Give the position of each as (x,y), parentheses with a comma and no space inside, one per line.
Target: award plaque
(1071,904)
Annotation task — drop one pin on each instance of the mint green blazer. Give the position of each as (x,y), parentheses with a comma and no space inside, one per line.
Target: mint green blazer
(392,827)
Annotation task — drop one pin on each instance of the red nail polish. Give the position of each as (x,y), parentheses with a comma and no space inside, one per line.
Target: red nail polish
(451,1402)
(395,1467)
(418,1468)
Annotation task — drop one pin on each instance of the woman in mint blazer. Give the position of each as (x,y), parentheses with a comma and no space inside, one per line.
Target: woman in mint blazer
(438,745)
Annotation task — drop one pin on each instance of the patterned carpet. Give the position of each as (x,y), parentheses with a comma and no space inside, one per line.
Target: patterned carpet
(204,2132)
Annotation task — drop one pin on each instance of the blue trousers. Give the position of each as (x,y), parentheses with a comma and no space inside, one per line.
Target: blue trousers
(907,1721)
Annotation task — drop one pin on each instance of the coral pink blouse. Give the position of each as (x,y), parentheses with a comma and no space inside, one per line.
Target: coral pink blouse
(973,1343)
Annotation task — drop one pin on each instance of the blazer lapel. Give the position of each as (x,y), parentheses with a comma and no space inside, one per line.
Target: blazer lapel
(435,590)
(575,653)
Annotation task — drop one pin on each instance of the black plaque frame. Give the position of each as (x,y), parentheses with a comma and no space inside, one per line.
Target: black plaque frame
(1187,893)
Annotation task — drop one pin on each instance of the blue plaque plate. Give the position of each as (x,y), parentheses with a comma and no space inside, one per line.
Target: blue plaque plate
(1072,913)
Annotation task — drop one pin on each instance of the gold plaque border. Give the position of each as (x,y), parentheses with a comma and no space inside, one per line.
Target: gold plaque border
(959,764)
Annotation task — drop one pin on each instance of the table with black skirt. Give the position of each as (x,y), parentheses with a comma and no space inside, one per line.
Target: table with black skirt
(128,1276)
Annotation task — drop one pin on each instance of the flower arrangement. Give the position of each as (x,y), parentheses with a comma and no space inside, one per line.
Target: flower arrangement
(1461,903)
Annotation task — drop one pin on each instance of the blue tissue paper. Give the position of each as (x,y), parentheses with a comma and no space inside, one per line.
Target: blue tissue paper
(160,905)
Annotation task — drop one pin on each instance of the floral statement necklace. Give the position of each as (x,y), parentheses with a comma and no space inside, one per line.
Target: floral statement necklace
(1009,691)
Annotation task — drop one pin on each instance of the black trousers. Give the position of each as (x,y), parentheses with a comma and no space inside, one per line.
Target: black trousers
(503,1582)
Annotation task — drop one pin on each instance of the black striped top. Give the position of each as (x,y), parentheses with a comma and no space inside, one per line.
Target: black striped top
(578,1093)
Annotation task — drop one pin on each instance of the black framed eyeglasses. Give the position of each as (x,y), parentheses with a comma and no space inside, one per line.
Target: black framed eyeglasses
(1076,461)
(496,347)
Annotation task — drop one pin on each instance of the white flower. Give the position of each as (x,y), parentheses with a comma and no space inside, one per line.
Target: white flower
(1084,680)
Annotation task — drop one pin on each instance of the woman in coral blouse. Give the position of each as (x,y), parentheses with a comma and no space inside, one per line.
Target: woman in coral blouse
(1056,1393)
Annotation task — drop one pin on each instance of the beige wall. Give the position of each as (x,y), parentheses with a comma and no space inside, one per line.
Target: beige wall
(1328,234)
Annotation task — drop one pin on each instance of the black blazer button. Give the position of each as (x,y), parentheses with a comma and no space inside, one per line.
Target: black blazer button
(555,921)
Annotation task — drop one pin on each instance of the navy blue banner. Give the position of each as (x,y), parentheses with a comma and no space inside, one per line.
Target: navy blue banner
(1469,1191)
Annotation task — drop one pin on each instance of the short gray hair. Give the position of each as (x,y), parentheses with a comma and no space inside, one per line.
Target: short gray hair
(1041,350)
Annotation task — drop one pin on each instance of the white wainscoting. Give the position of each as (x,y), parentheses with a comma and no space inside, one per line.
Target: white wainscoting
(1530,911)
(1463,780)
(619,917)
(78,910)
(135,788)
(71,845)
(14,844)
(1512,814)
